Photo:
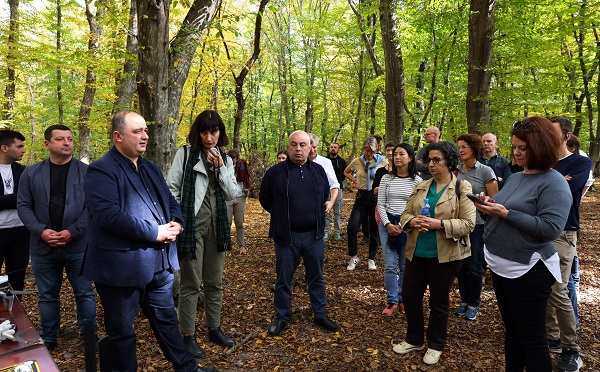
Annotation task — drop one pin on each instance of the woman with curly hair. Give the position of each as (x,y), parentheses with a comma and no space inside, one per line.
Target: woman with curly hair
(435,248)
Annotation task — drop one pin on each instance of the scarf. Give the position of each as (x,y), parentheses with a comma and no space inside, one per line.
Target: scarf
(186,241)
(371,168)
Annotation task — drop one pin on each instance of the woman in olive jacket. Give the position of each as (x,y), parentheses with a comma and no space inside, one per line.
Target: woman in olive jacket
(435,248)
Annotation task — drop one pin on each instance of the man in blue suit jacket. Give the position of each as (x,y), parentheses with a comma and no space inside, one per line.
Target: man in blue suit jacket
(51,205)
(133,224)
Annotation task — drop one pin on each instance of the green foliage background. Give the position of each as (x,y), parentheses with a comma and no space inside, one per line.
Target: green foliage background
(313,50)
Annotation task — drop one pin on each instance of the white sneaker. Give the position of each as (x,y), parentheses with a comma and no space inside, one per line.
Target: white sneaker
(371,265)
(404,347)
(352,263)
(432,356)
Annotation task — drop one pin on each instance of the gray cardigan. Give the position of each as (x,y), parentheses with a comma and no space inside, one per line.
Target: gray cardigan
(538,206)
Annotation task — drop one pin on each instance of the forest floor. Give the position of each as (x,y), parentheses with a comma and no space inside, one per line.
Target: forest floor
(355,300)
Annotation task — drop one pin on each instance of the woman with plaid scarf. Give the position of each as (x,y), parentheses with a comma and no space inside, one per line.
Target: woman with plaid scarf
(202,179)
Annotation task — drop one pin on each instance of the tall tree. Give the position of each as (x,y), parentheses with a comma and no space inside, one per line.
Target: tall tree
(13,33)
(59,93)
(93,17)
(241,77)
(159,92)
(126,81)
(481,32)
(394,71)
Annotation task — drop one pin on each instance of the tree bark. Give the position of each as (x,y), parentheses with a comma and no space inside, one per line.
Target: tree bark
(11,57)
(394,72)
(159,92)
(59,96)
(126,83)
(481,32)
(93,17)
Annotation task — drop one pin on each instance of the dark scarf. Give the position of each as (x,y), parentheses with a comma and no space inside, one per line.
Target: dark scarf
(186,242)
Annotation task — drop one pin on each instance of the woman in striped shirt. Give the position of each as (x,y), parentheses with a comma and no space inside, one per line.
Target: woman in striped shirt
(394,191)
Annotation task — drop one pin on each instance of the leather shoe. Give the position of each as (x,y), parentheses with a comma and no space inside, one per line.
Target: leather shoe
(205,369)
(50,345)
(327,324)
(216,335)
(192,346)
(277,326)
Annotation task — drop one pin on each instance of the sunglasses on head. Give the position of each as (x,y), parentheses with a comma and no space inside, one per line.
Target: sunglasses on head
(523,125)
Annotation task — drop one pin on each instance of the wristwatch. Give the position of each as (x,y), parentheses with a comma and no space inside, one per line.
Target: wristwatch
(441,225)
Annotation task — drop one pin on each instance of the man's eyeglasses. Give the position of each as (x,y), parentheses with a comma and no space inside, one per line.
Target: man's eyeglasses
(523,125)
(435,160)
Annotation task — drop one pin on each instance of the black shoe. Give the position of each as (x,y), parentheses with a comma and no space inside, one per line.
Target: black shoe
(192,346)
(570,361)
(50,345)
(277,326)
(220,338)
(554,346)
(327,324)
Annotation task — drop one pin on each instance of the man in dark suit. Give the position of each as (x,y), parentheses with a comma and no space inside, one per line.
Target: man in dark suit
(51,204)
(134,221)
(14,237)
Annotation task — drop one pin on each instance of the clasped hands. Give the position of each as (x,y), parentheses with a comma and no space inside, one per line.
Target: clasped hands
(168,232)
(57,238)
(424,223)
(393,230)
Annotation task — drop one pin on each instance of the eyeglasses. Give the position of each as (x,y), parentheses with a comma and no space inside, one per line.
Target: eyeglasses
(435,160)
(463,147)
(523,125)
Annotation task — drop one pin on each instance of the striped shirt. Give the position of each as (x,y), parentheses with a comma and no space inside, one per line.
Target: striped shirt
(393,195)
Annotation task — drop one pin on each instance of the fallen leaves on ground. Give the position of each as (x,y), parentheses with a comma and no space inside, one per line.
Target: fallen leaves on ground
(355,300)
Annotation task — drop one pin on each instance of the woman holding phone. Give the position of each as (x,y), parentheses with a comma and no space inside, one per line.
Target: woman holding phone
(202,179)
(521,223)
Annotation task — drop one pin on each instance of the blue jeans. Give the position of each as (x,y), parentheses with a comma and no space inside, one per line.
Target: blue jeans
(48,272)
(156,301)
(393,268)
(573,285)
(471,272)
(287,259)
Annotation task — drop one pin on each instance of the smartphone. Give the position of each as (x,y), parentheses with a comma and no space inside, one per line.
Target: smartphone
(475,198)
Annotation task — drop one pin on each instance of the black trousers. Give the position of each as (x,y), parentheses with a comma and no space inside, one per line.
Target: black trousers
(156,300)
(14,253)
(418,274)
(522,304)
(364,207)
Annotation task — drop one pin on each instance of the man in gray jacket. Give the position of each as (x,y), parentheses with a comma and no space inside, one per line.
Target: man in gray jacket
(51,204)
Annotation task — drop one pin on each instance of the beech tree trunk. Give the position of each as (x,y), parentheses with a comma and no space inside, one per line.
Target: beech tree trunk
(13,33)
(159,92)
(394,72)
(481,32)
(91,13)
(126,82)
